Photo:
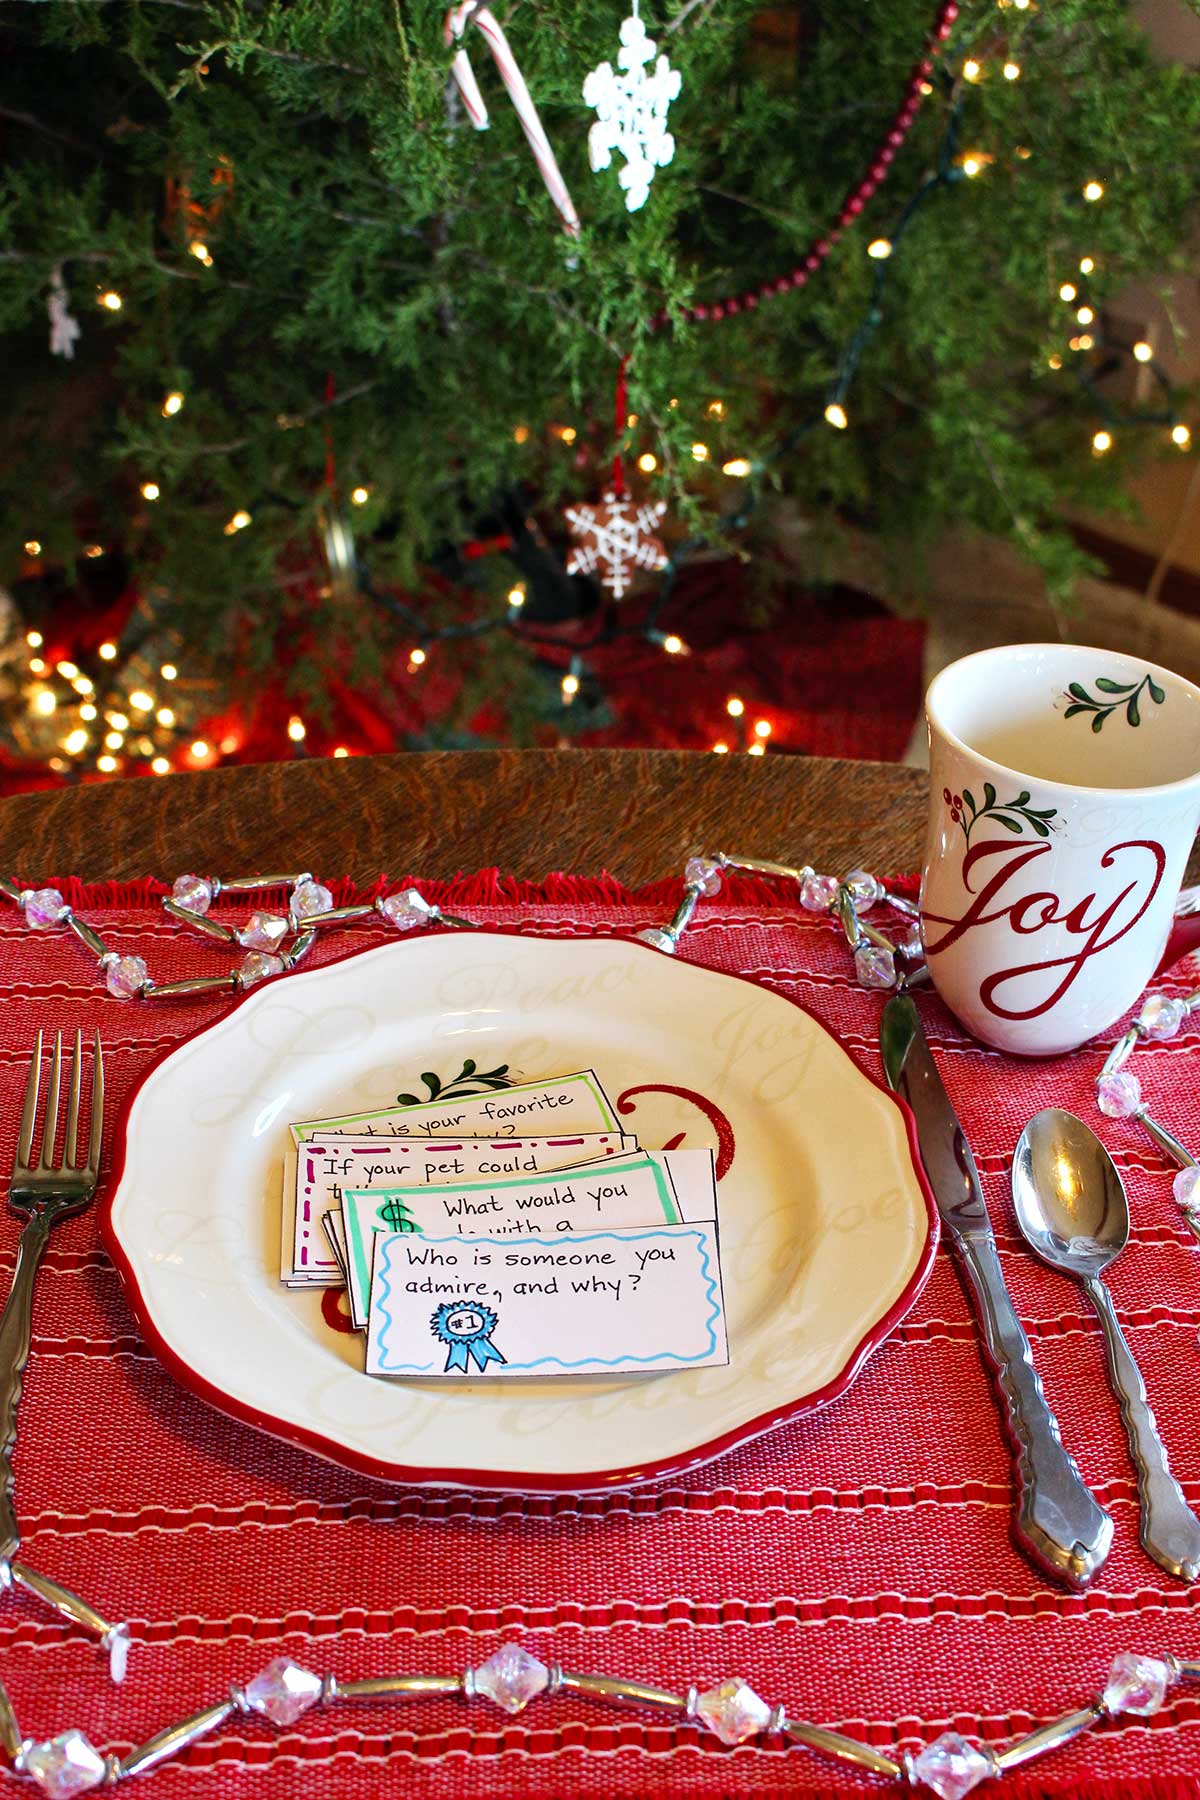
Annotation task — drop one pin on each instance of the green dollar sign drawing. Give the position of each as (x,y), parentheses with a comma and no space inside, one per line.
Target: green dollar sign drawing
(396,1214)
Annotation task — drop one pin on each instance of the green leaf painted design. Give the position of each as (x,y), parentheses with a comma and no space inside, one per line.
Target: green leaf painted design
(1125,696)
(469,1080)
(1016,815)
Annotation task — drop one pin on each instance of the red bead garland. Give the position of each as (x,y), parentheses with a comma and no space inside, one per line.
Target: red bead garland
(854,202)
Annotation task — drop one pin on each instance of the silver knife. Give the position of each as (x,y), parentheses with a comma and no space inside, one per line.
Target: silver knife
(1058,1523)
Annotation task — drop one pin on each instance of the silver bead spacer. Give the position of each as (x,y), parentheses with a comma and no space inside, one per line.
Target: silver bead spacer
(554,1684)
(238,1696)
(692,1702)
(774,1724)
(329,1690)
(17,1763)
(468,1683)
(112,1770)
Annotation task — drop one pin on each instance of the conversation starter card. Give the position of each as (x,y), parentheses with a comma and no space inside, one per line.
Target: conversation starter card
(630,1190)
(602,1303)
(323,1167)
(569,1103)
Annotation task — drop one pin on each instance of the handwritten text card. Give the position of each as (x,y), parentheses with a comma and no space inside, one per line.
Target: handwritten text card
(570,1103)
(324,1167)
(600,1303)
(629,1190)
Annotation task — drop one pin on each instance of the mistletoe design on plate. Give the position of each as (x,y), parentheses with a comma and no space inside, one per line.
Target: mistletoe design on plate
(1114,695)
(1016,816)
(469,1080)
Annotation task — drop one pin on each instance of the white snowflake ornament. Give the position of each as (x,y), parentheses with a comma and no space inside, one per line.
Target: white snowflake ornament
(64,327)
(614,538)
(631,105)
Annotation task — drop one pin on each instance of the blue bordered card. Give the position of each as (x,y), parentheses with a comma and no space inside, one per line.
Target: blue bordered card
(600,1303)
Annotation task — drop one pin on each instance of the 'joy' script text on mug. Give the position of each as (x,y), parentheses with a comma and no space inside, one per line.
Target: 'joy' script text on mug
(1129,876)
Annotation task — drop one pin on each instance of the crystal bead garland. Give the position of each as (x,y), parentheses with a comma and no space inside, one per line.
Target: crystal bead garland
(512,1678)
(1119,1092)
(264,936)
(874,954)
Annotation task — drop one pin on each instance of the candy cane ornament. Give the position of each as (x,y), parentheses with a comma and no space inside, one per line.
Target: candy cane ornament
(471,12)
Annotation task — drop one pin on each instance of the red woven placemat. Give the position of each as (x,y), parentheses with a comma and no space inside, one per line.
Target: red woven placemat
(856,1565)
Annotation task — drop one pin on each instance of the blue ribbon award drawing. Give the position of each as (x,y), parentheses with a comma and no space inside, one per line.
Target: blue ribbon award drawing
(466,1329)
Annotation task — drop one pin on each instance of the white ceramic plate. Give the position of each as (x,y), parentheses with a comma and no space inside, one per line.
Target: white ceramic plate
(827,1229)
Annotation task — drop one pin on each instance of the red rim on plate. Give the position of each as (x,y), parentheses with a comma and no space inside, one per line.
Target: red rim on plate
(510,1480)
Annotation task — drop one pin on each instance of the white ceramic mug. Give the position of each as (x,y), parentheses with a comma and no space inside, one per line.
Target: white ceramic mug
(1065,800)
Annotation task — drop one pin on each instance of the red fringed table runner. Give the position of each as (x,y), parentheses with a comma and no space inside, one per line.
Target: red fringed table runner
(857,1565)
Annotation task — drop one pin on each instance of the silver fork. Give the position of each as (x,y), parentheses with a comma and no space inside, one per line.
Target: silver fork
(47,1191)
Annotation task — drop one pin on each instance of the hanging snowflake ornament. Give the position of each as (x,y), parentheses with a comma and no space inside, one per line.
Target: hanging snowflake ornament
(64,327)
(631,105)
(614,538)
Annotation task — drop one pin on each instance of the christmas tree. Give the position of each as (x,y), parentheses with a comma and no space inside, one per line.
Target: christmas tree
(307,366)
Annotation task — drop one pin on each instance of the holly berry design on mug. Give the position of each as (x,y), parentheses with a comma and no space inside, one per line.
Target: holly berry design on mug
(1015,815)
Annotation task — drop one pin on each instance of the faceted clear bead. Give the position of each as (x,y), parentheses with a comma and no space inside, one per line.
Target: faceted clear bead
(43,908)
(1186,1188)
(1161,1017)
(309,899)
(511,1678)
(125,976)
(733,1711)
(1136,1684)
(407,910)
(65,1765)
(874,966)
(865,889)
(952,1766)
(1118,1096)
(702,872)
(818,892)
(263,931)
(911,947)
(257,965)
(657,940)
(283,1691)
(193,892)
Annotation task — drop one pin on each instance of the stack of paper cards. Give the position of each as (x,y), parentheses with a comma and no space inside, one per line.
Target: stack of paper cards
(467,1248)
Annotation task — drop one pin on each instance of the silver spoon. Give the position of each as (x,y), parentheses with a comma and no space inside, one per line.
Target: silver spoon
(1072,1211)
